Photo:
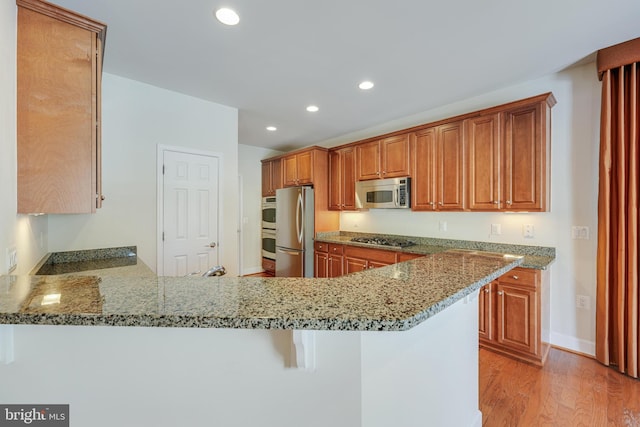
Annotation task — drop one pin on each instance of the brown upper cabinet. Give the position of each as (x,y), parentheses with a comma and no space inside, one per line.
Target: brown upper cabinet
(384,158)
(527,132)
(438,168)
(484,165)
(297,169)
(508,166)
(271,177)
(59,67)
(342,179)
(309,166)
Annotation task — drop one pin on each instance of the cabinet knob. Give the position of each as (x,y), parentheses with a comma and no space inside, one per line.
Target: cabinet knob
(508,202)
(431,203)
(495,202)
(515,277)
(440,203)
(102,198)
(499,292)
(486,290)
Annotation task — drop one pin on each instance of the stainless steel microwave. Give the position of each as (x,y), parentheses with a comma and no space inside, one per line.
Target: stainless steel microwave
(391,193)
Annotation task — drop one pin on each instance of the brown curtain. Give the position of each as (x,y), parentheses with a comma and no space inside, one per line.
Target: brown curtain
(618,301)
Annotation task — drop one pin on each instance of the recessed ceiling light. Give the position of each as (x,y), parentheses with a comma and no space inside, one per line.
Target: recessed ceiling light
(312,108)
(227,16)
(366,85)
(272,128)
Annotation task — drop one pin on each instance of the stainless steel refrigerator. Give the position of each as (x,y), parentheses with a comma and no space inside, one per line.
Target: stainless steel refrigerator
(294,232)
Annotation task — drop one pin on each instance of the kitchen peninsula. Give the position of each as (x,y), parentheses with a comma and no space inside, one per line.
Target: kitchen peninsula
(392,346)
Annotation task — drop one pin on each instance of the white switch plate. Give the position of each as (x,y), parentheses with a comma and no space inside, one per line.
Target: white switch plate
(496,229)
(583,301)
(442,226)
(12,259)
(528,230)
(580,232)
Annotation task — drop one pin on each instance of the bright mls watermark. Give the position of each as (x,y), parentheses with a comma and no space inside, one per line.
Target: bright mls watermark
(34,415)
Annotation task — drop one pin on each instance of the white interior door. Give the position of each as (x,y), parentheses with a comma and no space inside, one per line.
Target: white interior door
(190,213)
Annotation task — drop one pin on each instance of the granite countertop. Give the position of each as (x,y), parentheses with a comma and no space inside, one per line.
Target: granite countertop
(535,257)
(392,298)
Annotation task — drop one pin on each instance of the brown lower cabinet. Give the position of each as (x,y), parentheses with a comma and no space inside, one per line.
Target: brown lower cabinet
(269,266)
(328,259)
(514,315)
(334,260)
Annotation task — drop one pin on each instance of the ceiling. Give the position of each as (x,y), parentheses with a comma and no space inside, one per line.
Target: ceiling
(287,54)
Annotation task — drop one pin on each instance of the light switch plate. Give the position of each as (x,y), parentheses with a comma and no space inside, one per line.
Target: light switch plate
(12,259)
(528,230)
(496,229)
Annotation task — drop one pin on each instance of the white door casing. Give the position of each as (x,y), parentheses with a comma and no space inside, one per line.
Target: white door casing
(188,216)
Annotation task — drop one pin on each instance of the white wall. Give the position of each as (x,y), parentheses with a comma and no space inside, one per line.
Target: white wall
(137,117)
(574,180)
(251,175)
(27,233)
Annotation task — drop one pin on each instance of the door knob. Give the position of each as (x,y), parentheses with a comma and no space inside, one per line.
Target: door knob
(211,245)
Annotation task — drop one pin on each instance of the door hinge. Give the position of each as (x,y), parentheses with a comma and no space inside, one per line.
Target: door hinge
(162,169)
(163,236)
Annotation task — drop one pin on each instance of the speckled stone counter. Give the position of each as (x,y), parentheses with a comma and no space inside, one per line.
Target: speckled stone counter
(391,298)
(120,261)
(535,257)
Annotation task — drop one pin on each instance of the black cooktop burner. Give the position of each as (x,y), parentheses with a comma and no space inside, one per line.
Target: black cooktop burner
(401,243)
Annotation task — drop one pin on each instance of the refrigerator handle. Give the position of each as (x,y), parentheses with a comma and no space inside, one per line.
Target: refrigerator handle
(284,251)
(300,217)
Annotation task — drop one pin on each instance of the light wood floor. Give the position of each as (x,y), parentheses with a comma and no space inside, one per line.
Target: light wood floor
(570,390)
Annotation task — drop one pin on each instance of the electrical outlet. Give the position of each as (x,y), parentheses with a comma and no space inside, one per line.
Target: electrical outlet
(580,232)
(528,230)
(583,301)
(496,229)
(12,259)
(442,226)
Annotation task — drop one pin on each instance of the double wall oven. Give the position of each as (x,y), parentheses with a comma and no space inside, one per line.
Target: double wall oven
(269,227)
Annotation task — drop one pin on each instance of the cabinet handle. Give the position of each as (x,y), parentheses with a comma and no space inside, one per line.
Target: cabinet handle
(495,202)
(499,292)
(515,277)
(508,202)
(440,203)
(486,290)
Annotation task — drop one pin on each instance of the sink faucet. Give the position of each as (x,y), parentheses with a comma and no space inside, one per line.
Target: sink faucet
(218,270)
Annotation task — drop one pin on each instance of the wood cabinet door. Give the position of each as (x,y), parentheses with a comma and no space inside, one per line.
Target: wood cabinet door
(485,312)
(353,265)
(321,264)
(348,178)
(395,156)
(336,180)
(368,161)
(423,197)
(276,175)
(266,179)
(516,317)
(377,264)
(304,167)
(289,171)
(482,145)
(335,266)
(450,167)
(524,160)
(58,112)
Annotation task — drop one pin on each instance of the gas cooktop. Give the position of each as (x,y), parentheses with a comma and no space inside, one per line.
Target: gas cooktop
(400,243)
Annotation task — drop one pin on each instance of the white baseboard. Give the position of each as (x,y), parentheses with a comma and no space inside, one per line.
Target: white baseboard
(573,343)
(251,270)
